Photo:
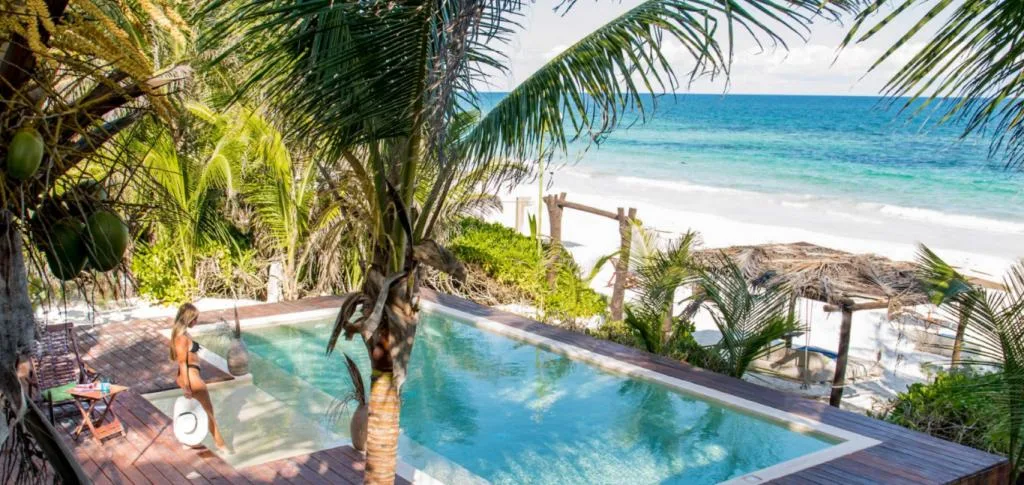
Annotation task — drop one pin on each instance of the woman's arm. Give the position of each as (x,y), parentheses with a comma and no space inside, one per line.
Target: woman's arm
(181,348)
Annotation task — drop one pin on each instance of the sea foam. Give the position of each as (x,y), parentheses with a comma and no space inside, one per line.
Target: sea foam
(952,220)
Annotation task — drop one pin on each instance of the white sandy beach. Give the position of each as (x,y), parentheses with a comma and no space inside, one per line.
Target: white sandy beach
(726,217)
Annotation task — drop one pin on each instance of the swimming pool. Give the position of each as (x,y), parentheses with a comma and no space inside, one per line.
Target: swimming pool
(479,406)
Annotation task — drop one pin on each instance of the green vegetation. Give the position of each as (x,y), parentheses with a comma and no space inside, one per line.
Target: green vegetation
(953,408)
(993,344)
(748,316)
(511,258)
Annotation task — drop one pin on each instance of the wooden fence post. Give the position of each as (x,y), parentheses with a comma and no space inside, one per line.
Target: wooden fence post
(622,263)
(521,203)
(554,203)
(839,380)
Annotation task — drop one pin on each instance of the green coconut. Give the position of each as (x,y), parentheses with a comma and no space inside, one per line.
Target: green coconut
(65,252)
(24,154)
(106,239)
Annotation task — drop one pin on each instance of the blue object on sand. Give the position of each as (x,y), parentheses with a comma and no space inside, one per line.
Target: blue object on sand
(827,353)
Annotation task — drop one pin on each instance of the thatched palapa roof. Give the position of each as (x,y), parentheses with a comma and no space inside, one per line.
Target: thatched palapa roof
(824,274)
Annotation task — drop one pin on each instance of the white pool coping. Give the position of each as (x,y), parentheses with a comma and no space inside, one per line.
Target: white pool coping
(850,442)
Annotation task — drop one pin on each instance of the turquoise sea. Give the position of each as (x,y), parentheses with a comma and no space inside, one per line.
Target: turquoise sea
(856,149)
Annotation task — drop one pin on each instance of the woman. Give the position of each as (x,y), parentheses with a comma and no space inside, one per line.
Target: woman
(183,352)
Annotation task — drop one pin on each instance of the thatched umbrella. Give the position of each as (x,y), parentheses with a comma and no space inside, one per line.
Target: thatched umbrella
(846,282)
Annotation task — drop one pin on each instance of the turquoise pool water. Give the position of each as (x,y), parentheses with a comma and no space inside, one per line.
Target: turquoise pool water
(510,412)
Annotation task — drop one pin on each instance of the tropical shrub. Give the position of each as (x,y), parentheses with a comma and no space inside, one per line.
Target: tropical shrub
(157,273)
(651,318)
(224,270)
(749,317)
(949,408)
(512,258)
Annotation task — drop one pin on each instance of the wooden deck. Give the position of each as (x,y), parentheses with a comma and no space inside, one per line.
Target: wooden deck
(134,354)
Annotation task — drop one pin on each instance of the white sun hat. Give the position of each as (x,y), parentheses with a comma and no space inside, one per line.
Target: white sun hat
(190,422)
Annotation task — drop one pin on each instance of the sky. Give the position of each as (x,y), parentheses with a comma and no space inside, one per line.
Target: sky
(812,67)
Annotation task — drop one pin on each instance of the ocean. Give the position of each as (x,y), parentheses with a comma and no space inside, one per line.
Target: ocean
(831,150)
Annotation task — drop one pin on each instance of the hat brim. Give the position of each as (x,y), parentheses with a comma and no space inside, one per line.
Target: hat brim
(190,422)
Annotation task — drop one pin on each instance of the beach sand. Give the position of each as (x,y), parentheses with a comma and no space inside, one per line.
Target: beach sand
(725,217)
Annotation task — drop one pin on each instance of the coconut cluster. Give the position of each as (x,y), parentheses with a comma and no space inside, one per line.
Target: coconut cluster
(77,230)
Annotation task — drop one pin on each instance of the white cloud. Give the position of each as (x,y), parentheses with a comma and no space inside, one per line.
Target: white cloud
(817,67)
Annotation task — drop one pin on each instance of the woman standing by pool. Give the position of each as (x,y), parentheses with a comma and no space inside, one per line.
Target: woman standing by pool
(183,352)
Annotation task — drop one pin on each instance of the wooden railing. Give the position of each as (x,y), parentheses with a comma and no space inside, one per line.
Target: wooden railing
(626,218)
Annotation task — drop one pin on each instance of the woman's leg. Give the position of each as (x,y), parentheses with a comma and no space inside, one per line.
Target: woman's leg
(201,394)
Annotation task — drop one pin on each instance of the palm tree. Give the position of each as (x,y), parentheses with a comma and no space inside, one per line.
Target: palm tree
(377,85)
(995,342)
(659,273)
(283,195)
(946,286)
(749,317)
(195,183)
(80,74)
(969,70)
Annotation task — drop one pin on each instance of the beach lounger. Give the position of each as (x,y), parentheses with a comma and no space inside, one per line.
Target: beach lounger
(57,367)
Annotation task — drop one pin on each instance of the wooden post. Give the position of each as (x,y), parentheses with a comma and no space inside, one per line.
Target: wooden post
(521,203)
(555,222)
(622,264)
(839,380)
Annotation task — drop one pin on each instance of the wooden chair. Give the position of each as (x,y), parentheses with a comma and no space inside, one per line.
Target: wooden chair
(57,367)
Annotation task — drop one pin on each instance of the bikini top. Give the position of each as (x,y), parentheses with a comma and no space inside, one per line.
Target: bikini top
(195,347)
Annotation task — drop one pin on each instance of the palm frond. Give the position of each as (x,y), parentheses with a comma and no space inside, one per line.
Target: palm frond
(968,71)
(941,281)
(748,318)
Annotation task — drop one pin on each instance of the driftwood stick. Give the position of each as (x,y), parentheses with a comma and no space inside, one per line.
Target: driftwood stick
(588,209)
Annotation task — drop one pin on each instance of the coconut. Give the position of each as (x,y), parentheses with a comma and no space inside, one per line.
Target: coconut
(106,238)
(64,250)
(24,154)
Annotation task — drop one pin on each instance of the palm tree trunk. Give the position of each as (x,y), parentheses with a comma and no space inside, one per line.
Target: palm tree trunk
(961,328)
(389,354)
(17,328)
(382,436)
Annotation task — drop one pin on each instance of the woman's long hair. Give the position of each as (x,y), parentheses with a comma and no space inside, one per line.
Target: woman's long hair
(187,314)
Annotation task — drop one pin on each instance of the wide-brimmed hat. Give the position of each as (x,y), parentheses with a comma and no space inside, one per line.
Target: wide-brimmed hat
(190,422)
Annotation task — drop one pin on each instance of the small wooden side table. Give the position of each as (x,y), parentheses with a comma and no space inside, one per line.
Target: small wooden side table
(86,403)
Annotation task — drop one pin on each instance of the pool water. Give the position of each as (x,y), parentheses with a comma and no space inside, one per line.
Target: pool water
(478,406)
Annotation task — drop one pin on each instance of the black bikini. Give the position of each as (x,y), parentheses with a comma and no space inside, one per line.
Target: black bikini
(194,349)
